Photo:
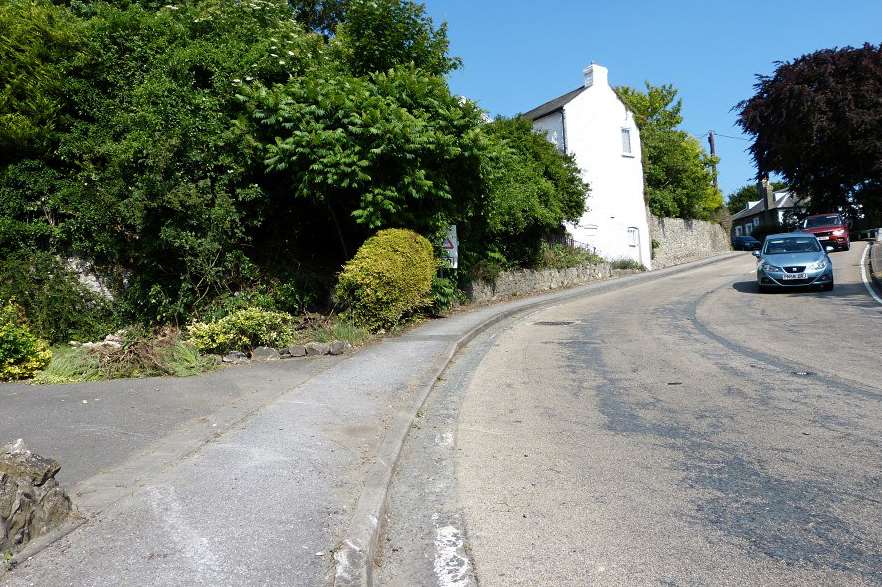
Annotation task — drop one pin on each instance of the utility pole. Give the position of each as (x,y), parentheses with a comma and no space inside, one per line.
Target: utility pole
(712,141)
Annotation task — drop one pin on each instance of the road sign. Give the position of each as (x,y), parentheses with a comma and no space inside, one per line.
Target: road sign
(451,247)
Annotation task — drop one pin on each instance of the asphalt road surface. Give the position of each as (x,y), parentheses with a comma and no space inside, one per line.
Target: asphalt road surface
(683,431)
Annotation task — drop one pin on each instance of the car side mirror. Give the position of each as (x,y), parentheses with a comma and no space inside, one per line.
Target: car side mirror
(757,254)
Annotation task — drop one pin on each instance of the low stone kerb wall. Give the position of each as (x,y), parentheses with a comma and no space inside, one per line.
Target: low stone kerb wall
(524,282)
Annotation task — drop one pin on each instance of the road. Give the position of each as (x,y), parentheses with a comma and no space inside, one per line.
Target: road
(683,431)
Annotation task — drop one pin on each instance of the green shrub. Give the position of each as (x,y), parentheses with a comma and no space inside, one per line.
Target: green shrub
(488,268)
(143,354)
(389,278)
(627,264)
(557,256)
(22,354)
(58,307)
(445,295)
(243,330)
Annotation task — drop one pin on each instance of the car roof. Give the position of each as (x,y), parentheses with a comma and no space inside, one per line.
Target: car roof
(790,235)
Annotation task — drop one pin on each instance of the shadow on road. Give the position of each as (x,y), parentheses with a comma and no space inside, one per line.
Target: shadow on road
(853,294)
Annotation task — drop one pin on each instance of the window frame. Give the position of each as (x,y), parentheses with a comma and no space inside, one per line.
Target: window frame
(626,132)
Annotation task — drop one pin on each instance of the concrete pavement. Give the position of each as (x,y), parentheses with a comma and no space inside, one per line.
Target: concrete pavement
(266,498)
(683,431)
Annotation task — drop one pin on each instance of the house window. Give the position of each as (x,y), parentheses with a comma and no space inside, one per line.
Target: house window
(590,229)
(756,221)
(748,228)
(633,237)
(626,141)
(737,231)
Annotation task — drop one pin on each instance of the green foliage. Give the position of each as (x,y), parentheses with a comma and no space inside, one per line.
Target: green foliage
(557,256)
(151,169)
(817,121)
(677,171)
(143,354)
(291,296)
(71,365)
(22,354)
(390,149)
(243,330)
(59,308)
(206,153)
(39,47)
(321,16)
(531,190)
(379,35)
(488,267)
(445,295)
(627,265)
(389,278)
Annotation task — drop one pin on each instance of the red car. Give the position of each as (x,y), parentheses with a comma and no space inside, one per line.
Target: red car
(831,230)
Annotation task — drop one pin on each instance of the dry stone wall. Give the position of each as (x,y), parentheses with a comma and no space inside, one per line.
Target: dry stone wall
(524,282)
(677,241)
(31,501)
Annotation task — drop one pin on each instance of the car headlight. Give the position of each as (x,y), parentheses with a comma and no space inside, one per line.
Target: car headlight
(769,268)
(818,266)
(838,232)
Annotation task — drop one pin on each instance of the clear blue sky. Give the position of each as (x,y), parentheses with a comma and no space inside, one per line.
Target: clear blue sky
(520,53)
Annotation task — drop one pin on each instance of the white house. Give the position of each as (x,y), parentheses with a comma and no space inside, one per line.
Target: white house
(592,124)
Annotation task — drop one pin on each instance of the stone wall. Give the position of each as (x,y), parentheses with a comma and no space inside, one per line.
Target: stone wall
(681,241)
(524,282)
(31,501)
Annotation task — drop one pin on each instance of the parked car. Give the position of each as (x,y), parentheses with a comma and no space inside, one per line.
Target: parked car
(831,229)
(746,243)
(794,259)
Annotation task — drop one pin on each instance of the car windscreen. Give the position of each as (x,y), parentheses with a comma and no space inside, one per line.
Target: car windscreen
(800,244)
(829,220)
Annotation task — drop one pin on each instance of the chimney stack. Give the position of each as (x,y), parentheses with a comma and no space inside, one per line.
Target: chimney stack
(596,75)
(766,193)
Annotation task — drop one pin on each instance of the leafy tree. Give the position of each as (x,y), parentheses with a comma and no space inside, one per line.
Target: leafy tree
(392,149)
(817,121)
(201,148)
(530,190)
(747,193)
(321,16)
(152,170)
(678,173)
(39,46)
(378,35)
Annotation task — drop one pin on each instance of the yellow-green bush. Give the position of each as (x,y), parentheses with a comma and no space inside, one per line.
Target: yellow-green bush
(389,278)
(22,354)
(243,330)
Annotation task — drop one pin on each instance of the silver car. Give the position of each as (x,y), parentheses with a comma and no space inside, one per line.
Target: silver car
(795,259)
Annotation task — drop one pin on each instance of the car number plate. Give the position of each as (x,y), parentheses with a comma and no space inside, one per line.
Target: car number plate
(788,276)
(823,238)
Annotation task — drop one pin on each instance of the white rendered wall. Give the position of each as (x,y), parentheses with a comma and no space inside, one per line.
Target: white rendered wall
(594,122)
(553,127)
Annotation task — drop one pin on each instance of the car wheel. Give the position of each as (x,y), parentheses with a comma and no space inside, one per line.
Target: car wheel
(762,288)
(847,247)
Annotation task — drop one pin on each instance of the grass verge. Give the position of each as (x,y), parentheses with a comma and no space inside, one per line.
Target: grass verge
(139,356)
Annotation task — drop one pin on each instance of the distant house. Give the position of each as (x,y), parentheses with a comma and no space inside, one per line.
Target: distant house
(592,124)
(768,210)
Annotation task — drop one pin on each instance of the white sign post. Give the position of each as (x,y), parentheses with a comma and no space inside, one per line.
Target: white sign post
(451,247)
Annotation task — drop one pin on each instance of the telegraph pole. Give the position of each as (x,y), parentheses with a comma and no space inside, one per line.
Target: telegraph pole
(712,141)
